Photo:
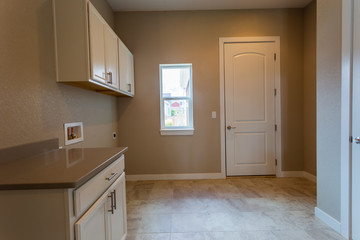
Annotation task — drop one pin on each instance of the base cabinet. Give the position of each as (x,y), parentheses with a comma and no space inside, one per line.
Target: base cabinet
(106,219)
(94,211)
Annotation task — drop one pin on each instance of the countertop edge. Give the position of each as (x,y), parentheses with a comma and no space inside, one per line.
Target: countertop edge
(65,185)
(98,169)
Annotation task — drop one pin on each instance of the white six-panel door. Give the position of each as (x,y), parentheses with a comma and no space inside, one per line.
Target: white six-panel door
(250,108)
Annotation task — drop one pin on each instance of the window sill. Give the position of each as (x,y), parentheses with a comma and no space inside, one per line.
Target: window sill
(185,131)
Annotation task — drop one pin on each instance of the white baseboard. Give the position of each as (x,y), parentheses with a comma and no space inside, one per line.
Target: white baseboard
(302,174)
(291,174)
(309,176)
(326,218)
(186,176)
(192,176)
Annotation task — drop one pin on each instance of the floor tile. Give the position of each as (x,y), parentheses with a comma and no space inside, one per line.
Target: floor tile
(244,208)
(149,236)
(155,223)
(188,236)
(292,235)
(247,235)
(325,234)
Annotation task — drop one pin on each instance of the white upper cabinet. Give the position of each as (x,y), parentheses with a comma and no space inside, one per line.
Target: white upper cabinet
(87,50)
(126,67)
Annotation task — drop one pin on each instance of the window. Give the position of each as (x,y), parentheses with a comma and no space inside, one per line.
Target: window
(176,100)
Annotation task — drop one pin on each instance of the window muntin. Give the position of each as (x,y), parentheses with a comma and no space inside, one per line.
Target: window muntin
(176,97)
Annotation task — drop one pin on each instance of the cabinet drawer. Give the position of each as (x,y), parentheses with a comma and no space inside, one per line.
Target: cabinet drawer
(88,193)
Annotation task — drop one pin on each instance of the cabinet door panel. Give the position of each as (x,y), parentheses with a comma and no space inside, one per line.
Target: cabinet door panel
(97,45)
(111,57)
(126,68)
(94,224)
(123,66)
(130,73)
(117,223)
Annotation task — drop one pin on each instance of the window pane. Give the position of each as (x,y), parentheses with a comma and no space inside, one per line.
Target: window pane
(175,81)
(176,113)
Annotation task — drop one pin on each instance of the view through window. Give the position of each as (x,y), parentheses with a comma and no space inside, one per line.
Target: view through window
(176,96)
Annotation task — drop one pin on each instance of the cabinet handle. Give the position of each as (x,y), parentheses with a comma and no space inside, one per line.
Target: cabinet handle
(109,77)
(114,199)
(129,84)
(100,77)
(111,176)
(112,203)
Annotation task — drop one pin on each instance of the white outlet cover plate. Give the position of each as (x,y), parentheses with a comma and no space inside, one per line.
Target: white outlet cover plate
(213,114)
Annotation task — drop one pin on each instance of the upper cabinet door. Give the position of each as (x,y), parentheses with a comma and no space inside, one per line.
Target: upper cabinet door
(97,45)
(126,67)
(111,57)
(130,73)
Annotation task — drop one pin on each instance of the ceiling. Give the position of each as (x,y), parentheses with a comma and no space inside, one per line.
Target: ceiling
(179,5)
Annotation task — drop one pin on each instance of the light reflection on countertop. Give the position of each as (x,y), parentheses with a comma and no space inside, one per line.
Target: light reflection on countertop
(60,168)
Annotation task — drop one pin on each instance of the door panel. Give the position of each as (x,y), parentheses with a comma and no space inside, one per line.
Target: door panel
(250,108)
(245,153)
(111,57)
(126,68)
(118,226)
(93,225)
(249,97)
(97,45)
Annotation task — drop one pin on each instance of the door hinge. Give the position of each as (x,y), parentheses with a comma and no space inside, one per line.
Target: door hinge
(275,127)
(274,56)
(351,139)
(275,92)
(275,162)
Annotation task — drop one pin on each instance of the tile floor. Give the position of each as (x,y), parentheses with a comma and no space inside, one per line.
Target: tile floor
(251,208)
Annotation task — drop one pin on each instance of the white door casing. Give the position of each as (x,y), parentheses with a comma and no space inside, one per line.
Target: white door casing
(355,206)
(249,76)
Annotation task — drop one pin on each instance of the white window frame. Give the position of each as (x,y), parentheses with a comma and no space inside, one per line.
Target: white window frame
(188,130)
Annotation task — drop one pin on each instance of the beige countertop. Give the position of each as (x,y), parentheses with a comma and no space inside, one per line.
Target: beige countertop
(60,168)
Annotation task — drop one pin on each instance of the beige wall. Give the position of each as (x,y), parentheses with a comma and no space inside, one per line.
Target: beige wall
(328,106)
(104,8)
(310,88)
(33,106)
(192,37)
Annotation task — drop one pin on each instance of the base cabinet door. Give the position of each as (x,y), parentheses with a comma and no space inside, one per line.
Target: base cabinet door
(94,224)
(117,223)
(106,218)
